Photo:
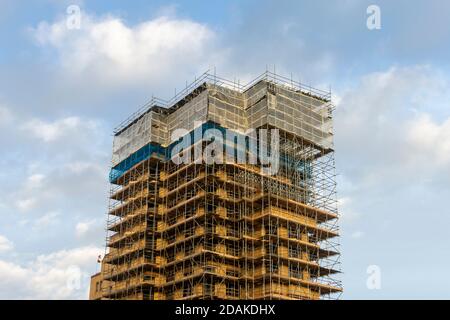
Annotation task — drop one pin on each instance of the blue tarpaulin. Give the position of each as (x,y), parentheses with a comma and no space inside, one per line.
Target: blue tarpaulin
(153,149)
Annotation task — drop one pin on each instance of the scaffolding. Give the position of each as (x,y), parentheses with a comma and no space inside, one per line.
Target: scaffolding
(224,230)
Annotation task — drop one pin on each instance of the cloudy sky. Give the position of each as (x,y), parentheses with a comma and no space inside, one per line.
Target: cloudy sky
(62,91)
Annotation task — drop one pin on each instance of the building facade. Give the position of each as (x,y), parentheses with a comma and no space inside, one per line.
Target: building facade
(224,192)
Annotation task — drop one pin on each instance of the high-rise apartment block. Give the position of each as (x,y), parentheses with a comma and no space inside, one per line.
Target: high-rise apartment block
(186,222)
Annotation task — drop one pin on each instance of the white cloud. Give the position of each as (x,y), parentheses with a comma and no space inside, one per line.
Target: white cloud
(60,275)
(44,174)
(79,167)
(5,244)
(41,195)
(83,227)
(90,230)
(28,200)
(6,116)
(429,139)
(357,234)
(48,219)
(35,181)
(385,130)
(51,131)
(27,204)
(346,211)
(108,48)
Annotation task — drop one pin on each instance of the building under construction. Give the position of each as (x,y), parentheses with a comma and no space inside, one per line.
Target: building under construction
(224,230)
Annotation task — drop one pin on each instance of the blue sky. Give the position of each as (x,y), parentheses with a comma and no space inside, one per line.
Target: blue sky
(63,91)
